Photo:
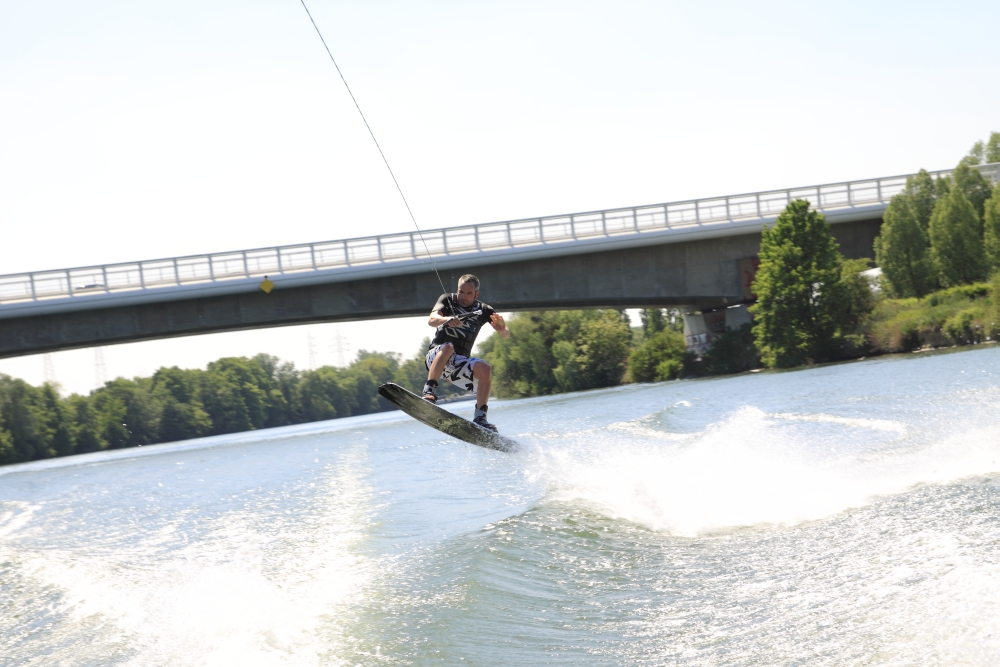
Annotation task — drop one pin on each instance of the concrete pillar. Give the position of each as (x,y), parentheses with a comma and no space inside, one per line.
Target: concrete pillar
(702,328)
(737,316)
(696,334)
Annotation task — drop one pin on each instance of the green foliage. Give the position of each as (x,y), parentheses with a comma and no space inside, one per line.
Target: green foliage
(861,298)
(660,357)
(57,421)
(991,230)
(7,452)
(802,300)
(364,376)
(552,351)
(24,418)
(970,292)
(653,321)
(182,421)
(971,183)
(732,352)
(604,349)
(954,316)
(88,435)
(523,364)
(320,390)
(956,242)
(985,152)
(959,325)
(992,311)
(901,249)
(233,394)
(923,191)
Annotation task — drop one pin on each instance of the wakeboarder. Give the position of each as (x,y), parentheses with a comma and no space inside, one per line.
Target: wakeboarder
(458,317)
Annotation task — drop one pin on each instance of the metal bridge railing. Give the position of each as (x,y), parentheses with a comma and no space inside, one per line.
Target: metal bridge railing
(394,248)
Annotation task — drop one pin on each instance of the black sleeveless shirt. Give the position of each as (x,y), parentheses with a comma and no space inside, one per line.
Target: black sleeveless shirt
(463,337)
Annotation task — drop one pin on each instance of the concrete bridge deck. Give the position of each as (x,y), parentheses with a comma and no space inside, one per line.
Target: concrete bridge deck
(681,253)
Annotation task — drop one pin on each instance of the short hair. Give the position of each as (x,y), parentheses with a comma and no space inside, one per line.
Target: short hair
(468,278)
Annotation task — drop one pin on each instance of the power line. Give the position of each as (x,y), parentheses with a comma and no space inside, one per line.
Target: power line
(311,345)
(100,368)
(48,369)
(358,107)
(340,344)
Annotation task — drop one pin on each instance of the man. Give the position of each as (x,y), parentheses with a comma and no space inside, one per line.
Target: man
(458,317)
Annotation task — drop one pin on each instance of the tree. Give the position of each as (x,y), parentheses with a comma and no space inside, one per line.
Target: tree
(128,412)
(985,152)
(523,364)
(369,370)
(801,303)
(58,421)
(603,344)
(23,416)
(321,389)
(732,352)
(653,321)
(250,381)
(976,187)
(922,192)
(902,249)
(956,244)
(552,351)
(991,229)
(88,435)
(183,415)
(861,299)
(284,404)
(181,421)
(7,452)
(660,357)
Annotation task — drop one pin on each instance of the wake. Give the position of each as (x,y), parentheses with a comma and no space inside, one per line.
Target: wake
(753,468)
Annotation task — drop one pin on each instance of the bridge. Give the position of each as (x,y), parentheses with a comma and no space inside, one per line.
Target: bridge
(679,253)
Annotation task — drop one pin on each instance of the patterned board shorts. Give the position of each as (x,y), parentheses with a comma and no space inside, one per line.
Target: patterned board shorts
(458,371)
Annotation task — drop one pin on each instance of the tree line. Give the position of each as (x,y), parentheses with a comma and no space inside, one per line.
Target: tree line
(231,395)
(555,351)
(942,232)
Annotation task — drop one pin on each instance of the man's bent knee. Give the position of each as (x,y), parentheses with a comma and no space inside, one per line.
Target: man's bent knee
(447,349)
(482,369)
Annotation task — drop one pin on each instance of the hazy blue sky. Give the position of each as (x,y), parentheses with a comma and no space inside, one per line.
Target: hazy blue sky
(137,130)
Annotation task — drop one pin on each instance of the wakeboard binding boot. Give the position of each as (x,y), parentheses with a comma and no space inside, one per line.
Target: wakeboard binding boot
(480,419)
(430,391)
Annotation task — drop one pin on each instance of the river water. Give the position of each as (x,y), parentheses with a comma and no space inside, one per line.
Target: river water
(844,515)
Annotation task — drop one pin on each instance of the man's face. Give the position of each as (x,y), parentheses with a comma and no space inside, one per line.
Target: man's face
(467,294)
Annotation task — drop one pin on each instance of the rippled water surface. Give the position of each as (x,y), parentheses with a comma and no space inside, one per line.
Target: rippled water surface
(832,516)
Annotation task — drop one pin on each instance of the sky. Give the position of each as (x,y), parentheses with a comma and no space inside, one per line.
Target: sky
(141,130)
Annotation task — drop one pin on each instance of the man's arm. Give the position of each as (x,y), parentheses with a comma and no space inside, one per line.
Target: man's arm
(440,314)
(496,321)
(436,319)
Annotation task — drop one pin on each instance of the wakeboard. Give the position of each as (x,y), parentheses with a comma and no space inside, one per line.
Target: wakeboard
(444,421)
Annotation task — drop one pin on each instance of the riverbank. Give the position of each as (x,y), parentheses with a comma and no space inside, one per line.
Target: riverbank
(958,316)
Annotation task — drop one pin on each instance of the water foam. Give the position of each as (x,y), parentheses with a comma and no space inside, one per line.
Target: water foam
(241,594)
(751,468)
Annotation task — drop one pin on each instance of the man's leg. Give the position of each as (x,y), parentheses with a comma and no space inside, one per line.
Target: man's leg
(434,373)
(483,373)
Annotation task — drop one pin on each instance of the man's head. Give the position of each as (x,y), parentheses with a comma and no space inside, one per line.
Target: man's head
(468,290)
